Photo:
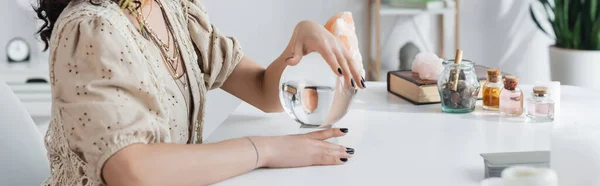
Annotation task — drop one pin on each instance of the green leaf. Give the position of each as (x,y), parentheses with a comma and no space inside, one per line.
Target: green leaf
(547,5)
(562,21)
(536,21)
(596,34)
(573,12)
(593,4)
(576,33)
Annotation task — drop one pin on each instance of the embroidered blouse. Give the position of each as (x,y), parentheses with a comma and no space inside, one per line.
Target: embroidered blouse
(111,88)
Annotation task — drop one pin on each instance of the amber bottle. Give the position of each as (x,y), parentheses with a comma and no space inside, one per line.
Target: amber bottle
(491,89)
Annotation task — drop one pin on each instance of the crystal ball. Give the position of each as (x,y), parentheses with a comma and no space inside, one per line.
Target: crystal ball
(313,95)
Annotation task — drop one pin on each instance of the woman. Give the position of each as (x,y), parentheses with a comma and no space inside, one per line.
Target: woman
(129,80)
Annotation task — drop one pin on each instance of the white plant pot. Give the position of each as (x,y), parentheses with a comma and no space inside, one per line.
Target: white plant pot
(575,67)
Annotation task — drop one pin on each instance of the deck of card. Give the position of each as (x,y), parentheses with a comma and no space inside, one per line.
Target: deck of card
(495,163)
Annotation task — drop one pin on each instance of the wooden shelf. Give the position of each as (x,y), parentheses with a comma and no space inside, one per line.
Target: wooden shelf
(377,10)
(387,10)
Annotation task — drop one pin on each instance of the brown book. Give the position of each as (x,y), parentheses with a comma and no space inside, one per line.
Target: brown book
(408,85)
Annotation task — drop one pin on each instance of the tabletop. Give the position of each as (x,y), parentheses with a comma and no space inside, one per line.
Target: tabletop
(398,143)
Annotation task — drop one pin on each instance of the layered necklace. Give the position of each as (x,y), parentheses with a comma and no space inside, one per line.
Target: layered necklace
(171,59)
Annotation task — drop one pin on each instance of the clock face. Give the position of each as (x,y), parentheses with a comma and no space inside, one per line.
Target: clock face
(17,50)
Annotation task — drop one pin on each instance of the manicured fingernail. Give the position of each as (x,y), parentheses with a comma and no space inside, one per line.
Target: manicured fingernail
(349,150)
(340,71)
(362,82)
(344,159)
(344,130)
(352,82)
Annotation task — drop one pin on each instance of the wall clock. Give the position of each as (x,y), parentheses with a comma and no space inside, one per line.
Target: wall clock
(18,50)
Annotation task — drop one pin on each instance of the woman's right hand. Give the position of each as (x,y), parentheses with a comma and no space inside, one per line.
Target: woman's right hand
(302,149)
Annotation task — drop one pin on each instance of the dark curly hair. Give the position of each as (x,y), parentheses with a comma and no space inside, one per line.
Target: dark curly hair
(49,10)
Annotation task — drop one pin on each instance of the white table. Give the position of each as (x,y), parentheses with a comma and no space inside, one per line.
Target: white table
(398,143)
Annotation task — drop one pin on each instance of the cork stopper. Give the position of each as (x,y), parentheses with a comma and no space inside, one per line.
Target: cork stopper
(493,74)
(540,90)
(511,82)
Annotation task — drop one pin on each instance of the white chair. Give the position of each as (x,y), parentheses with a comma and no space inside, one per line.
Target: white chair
(23,159)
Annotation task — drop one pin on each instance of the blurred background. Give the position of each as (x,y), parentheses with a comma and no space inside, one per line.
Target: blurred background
(498,33)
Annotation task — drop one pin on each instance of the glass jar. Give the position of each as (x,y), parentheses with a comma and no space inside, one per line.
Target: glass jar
(458,95)
(540,107)
(511,97)
(491,90)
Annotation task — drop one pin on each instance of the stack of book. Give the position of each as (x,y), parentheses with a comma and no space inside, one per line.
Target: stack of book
(407,85)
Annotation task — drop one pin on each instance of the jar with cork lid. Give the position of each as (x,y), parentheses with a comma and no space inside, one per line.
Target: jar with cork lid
(511,97)
(540,107)
(458,85)
(491,89)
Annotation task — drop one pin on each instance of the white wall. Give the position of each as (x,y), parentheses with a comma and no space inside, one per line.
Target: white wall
(500,33)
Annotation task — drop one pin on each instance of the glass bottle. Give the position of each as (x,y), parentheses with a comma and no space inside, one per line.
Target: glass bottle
(540,107)
(511,97)
(458,95)
(491,90)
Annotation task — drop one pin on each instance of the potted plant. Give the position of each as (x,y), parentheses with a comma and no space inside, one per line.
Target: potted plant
(575,57)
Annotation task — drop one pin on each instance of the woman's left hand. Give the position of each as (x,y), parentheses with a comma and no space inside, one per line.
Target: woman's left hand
(312,37)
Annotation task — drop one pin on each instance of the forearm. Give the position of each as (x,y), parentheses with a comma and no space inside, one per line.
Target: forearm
(272,75)
(270,83)
(174,164)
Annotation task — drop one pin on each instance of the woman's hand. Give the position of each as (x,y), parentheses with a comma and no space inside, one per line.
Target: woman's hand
(302,149)
(312,37)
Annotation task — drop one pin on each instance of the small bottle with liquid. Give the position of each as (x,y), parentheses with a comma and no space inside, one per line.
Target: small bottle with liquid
(540,107)
(511,97)
(491,89)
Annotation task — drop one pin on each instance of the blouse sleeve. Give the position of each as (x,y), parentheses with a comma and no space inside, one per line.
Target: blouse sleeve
(105,104)
(218,55)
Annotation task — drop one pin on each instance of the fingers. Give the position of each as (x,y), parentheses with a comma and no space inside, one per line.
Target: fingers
(349,81)
(356,74)
(331,59)
(327,133)
(334,154)
(298,53)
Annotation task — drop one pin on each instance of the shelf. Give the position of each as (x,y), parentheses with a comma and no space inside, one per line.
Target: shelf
(387,10)
(30,88)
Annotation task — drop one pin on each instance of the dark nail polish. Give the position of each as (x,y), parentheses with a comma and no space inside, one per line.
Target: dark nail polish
(344,130)
(349,150)
(344,159)
(362,82)
(352,82)
(340,71)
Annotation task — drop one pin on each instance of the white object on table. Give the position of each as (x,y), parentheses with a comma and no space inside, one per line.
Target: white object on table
(575,154)
(524,176)
(554,91)
(398,143)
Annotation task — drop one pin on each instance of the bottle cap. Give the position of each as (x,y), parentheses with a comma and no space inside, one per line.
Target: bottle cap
(493,72)
(539,90)
(511,82)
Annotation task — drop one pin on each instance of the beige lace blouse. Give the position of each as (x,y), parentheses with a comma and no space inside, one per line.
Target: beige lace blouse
(110,88)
